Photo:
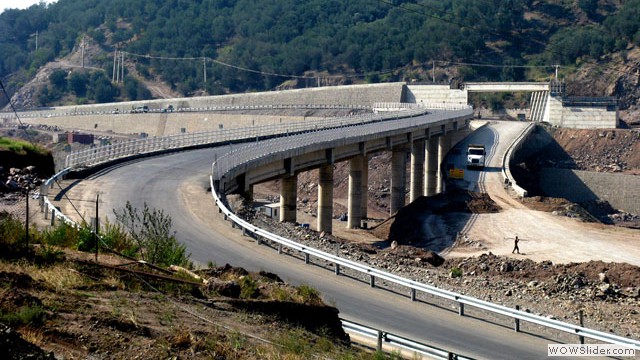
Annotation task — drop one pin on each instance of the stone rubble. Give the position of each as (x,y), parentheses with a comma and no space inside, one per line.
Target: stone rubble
(555,291)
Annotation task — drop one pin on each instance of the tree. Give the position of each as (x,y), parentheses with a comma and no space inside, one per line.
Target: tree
(78,83)
(151,231)
(58,79)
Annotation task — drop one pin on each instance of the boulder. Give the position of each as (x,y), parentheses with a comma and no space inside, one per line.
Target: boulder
(433,258)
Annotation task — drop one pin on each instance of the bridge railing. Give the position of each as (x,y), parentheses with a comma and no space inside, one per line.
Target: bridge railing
(119,150)
(49,113)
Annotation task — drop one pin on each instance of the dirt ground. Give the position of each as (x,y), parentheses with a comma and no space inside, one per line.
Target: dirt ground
(77,309)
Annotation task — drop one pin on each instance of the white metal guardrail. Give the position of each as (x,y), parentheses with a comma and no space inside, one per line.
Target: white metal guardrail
(85,110)
(412,285)
(398,342)
(47,206)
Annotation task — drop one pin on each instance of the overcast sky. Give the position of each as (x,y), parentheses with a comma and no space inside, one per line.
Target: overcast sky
(20,4)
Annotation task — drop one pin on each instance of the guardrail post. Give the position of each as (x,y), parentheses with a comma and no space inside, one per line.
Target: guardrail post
(413,294)
(452,356)
(258,239)
(233,225)
(279,248)
(337,269)
(581,314)
(46,211)
(372,281)
(53,217)
(244,231)
(461,309)
(516,326)
(306,258)
(379,345)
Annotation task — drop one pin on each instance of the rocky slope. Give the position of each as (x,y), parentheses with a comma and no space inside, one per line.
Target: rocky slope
(607,293)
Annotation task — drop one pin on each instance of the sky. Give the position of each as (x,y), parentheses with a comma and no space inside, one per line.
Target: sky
(20,4)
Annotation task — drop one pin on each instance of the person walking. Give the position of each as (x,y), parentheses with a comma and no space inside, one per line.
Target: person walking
(515,245)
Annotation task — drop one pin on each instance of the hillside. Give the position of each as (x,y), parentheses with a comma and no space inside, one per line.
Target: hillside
(76,308)
(290,43)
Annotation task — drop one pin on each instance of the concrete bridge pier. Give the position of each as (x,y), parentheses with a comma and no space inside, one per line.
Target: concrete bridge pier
(444,144)
(288,198)
(354,202)
(417,169)
(431,168)
(398,176)
(365,187)
(325,198)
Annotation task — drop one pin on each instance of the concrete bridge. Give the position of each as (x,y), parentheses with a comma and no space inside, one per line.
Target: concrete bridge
(426,137)
(506,86)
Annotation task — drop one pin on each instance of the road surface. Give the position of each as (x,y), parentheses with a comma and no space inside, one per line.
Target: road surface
(178,183)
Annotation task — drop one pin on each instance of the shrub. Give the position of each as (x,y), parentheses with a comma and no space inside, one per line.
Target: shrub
(12,235)
(248,288)
(456,272)
(309,295)
(26,315)
(150,231)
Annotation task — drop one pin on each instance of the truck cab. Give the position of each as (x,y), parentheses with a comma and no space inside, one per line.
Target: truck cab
(476,156)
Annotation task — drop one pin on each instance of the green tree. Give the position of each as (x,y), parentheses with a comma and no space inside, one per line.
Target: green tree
(58,79)
(78,83)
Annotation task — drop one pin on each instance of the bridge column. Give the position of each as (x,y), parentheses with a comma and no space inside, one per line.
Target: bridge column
(398,176)
(365,187)
(444,144)
(325,199)
(431,168)
(417,169)
(288,198)
(354,203)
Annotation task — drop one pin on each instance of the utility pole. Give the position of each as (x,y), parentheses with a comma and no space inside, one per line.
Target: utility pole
(26,224)
(433,71)
(97,226)
(36,40)
(122,66)
(115,56)
(204,66)
(82,47)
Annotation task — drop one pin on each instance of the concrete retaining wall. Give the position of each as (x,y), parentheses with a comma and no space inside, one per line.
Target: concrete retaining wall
(360,95)
(579,117)
(621,191)
(582,117)
(162,124)
(435,94)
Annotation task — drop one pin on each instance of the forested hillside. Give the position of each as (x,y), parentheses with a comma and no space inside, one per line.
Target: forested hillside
(248,45)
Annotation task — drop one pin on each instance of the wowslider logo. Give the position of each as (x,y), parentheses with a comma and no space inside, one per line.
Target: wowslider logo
(590,350)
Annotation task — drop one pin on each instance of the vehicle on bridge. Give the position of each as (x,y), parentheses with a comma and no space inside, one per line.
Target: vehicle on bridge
(476,156)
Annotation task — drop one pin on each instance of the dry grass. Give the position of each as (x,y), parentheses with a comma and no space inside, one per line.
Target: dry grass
(57,277)
(33,335)
(114,283)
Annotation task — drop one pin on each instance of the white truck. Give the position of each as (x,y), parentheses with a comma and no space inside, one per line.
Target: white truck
(475,156)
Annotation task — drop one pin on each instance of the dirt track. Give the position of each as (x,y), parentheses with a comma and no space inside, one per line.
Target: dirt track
(544,236)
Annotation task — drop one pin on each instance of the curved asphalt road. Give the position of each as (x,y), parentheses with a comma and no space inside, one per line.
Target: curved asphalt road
(155,181)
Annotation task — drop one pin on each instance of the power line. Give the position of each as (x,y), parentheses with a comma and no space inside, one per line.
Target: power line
(4,91)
